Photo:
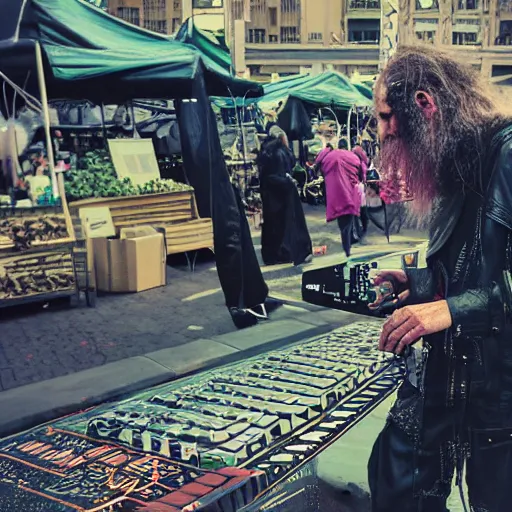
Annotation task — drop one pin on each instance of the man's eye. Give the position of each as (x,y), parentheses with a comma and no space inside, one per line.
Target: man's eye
(385,116)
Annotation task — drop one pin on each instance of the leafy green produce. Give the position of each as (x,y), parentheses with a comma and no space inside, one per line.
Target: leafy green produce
(96,177)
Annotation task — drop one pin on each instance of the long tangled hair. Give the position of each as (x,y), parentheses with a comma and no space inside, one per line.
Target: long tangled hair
(436,156)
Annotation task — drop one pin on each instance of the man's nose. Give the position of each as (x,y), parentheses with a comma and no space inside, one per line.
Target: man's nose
(383,131)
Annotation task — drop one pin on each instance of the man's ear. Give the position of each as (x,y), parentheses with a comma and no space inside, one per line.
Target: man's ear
(426,103)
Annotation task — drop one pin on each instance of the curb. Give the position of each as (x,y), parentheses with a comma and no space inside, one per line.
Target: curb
(28,406)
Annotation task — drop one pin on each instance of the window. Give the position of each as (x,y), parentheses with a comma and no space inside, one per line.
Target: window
(177,6)
(364,31)
(466,32)
(290,35)
(129,14)
(272,11)
(315,37)
(273,39)
(468,5)
(290,5)
(505,5)
(427,5)
(364,4)
(501,70)
(425,30)
(206,4)
(257,36)
(176,23)
(505,37)
(156,26)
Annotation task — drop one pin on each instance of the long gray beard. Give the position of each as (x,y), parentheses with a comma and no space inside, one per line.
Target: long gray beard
(419,167)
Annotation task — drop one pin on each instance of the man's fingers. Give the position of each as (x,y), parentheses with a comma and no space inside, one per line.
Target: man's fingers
(395,338)
(377,279)
(394,322)
(402,297)
(411,337)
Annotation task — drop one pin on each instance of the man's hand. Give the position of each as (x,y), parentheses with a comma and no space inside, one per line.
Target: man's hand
(399,280)
(407,325)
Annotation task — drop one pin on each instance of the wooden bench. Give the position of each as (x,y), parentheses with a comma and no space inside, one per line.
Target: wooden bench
(176,212)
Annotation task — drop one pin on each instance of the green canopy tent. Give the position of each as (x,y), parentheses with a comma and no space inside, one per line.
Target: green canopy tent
(302,95)
(104,57)
(364,90)
(207,43)
(282,85)
(326,89)
(329,89)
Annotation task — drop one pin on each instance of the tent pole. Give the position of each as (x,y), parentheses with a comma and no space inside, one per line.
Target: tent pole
(348,127)
(46,118)
(57,180)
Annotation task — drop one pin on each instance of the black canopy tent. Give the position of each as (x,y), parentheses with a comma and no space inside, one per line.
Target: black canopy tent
(58,49)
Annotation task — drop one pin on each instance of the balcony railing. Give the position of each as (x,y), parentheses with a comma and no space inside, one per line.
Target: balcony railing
(364,4)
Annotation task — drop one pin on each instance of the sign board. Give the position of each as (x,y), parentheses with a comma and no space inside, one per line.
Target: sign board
(134,159)
(97,222)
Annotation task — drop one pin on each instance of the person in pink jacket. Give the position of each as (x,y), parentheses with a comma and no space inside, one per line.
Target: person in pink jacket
(341,169)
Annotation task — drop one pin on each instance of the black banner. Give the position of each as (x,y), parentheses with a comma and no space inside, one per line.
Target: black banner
(237,265)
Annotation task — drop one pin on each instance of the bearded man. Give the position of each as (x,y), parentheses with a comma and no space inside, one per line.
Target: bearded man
(439,126)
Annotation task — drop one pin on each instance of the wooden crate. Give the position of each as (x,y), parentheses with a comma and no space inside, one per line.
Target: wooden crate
(189,236)
(175,211)
(152,209)
(36,275)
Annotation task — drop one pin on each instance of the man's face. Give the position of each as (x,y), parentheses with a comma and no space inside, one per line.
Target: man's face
(408,148)
(387,123)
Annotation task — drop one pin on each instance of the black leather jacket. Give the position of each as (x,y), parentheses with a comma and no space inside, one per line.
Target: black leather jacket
(468,260)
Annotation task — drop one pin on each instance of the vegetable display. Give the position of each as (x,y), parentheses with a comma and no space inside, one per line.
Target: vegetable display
(42,273)
(96,177)
(20,233)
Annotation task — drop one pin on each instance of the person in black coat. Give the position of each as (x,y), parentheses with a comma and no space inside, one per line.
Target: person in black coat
(285,236)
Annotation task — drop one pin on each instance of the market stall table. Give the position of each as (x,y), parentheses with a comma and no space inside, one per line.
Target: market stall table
(268,416)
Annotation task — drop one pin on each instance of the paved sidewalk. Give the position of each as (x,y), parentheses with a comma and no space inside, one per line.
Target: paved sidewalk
(37,344)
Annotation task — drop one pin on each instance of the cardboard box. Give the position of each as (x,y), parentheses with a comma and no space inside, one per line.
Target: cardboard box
(132,264)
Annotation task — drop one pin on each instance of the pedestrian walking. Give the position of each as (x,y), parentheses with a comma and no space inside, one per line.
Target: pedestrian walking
(340,168)
(284,235)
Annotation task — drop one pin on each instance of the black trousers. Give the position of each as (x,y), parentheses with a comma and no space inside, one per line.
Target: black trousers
(364,220)
(346,225)
(409,476)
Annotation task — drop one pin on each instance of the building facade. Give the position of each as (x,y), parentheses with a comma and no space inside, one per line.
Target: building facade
(287,37)
(479,32)
(162,16)
(292,36)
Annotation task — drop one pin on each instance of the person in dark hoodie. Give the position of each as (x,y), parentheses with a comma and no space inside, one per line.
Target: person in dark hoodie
(285,236)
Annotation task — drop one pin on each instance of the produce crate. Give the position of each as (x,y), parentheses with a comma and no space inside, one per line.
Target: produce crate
(174,211)
(23,229)
(161,209)
(37,276)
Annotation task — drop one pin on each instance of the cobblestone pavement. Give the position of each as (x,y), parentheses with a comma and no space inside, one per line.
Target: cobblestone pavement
(39,343)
